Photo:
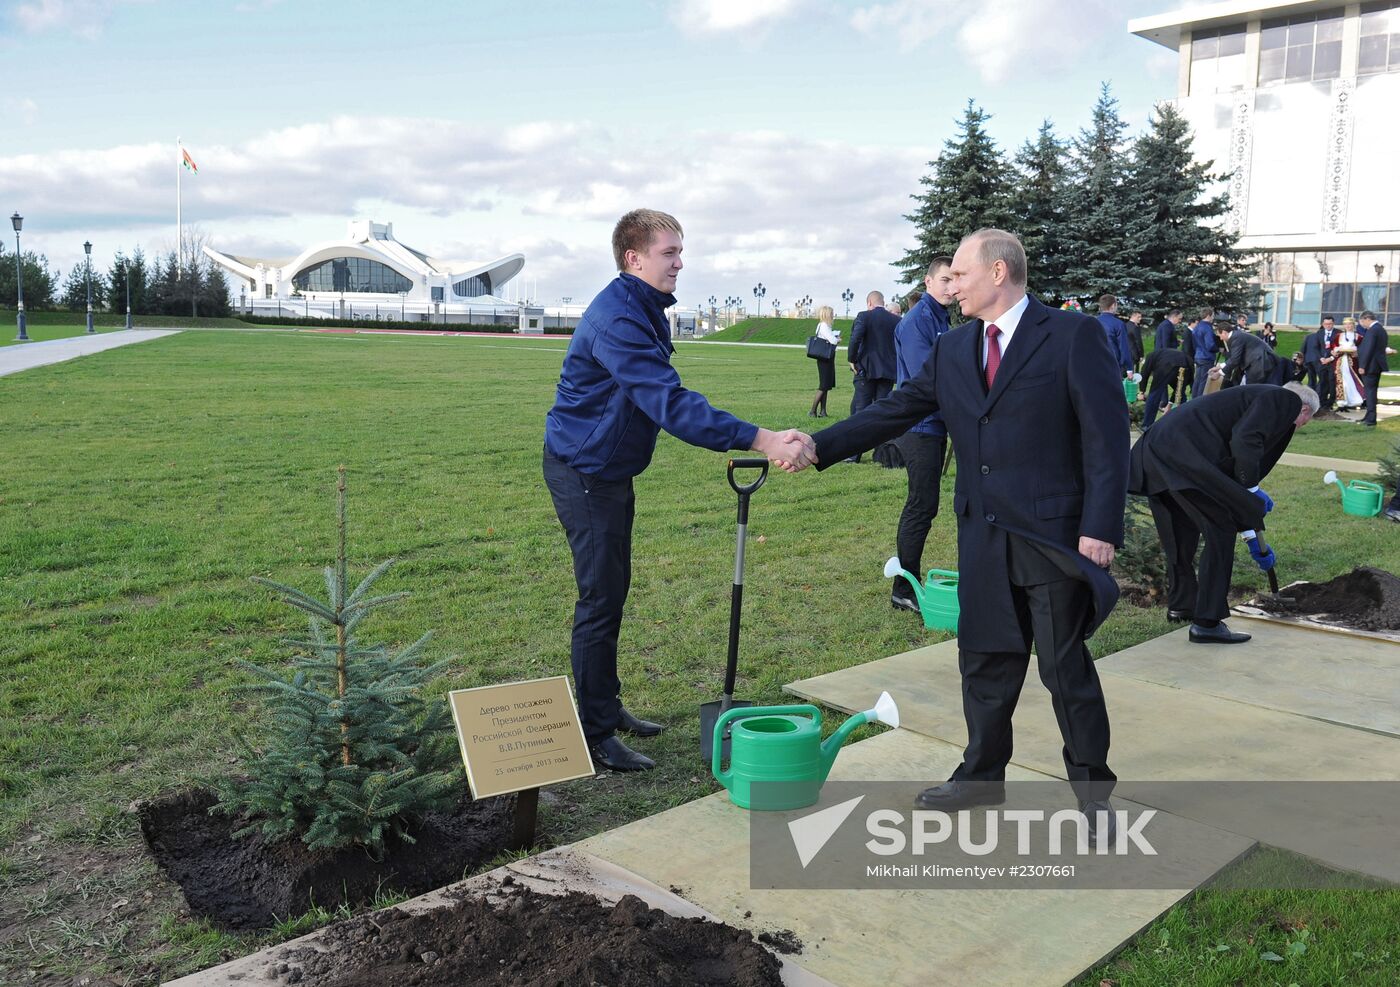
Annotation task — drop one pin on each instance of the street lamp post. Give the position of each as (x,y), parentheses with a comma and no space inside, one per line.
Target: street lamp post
(17,221)
(713,302)
(804,305)
(758,292)
(87,249)
(127,266)
(776,305)
(846,297)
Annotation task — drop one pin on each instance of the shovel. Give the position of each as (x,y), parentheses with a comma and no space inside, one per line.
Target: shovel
(1273,591)
(711,712)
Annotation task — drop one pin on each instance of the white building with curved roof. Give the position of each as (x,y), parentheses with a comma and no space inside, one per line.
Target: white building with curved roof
(369,274)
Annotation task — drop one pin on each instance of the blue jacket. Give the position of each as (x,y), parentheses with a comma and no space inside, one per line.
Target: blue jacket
(1203,337)
(1167,338)
(913,339)
(1117,340)
(617,389)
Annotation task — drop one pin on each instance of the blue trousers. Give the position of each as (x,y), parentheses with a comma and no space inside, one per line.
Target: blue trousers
(1198,386)
(597,518)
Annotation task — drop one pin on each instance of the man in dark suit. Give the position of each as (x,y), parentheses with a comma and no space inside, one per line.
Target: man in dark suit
(1166,371)
(871,353)
(1031,400)
(1312,358)
(1326,364)
(1371,361)
(1204,343)
(1168,336)
(1115,333)
(1249,359)
(1133,327)
(1200,469)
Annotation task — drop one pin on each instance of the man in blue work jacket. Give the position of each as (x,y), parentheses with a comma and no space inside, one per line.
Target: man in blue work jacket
(923,445)
(617,390)
(1117,335)
(1206,346)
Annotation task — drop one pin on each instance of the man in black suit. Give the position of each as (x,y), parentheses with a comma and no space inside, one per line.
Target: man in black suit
(1032,401)
(1371,361)
(871,353)
(1326,364)
(1168,335)
(1249,358)
(1165,371)
(1200,468)
(1312,357)
(1133,327)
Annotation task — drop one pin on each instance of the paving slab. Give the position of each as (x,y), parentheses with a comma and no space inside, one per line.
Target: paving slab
(925,936)
(1348,680)
(1164,734)
(553,872)
(1359,467)
(39,353)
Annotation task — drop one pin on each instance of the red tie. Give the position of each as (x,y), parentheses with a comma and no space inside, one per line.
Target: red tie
(993,353)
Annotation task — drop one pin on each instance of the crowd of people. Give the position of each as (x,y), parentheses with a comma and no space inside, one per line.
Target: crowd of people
(1032,400)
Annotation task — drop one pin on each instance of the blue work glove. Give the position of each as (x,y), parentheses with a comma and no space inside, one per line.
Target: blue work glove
(1261,553)
(1268,501)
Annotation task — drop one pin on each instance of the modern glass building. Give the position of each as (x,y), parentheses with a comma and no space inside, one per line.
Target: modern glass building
(1296,102)
(369,271)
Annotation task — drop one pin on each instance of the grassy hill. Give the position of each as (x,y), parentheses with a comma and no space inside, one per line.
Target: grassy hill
(775,330)
(117,320)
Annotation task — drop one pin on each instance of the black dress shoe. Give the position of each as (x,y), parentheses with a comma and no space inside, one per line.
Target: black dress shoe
(1393,513)
(614,755)
(1109,831)
(637,727)
(904,603)
(1179,616)
(1219,634)
(961,795)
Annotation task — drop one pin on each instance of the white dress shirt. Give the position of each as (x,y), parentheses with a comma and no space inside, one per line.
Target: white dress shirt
(1007,323)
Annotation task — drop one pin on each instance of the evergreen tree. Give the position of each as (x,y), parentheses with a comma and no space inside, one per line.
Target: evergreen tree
(967,188)
(213,292)
(1187,258)
(40,281)
(74,293)
(1102,225)
(354,753)
(1036,203)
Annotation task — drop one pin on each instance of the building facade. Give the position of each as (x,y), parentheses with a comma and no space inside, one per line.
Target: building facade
(370,274)
(1295,102)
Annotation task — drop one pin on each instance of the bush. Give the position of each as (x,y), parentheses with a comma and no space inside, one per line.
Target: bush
(1388,476)
(1142,563)
(352,753)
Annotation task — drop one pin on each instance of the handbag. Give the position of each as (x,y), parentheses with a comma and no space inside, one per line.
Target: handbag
(820,349)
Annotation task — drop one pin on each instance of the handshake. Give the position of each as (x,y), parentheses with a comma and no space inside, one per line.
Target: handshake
(792,450)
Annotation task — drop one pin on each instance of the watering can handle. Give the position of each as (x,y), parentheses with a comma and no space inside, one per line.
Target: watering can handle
(738,712)
(943,572)
(743,490)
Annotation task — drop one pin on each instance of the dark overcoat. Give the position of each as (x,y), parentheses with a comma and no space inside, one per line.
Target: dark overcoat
(872,344)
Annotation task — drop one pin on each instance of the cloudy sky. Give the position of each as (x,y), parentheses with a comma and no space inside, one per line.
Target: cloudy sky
(787,135)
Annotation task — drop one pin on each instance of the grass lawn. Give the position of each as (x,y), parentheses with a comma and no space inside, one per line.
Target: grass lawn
(144,485)
(777,330)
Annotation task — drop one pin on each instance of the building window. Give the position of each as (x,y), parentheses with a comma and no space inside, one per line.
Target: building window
(1380,39)
(1301,49)
(473,287)
(352,274)
(1217,61)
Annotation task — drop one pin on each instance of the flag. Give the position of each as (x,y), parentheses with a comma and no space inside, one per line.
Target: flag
(188,161)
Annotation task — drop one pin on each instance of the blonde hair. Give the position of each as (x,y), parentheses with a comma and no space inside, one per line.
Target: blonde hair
(636,230)
(826,314)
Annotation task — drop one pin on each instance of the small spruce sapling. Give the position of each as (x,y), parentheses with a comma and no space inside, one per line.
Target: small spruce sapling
(352,752)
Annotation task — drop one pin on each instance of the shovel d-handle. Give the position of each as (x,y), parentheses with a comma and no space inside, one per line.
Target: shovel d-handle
(739,712)
(745,490)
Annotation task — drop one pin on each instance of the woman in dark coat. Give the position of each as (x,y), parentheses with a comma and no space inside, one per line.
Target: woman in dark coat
(826,369)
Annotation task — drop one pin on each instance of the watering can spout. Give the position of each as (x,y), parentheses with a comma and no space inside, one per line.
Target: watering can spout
(884,711)
(893,570)
(1330,477)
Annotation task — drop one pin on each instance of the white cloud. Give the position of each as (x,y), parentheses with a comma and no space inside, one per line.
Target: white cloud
(85,18)
(997,36)
(720,16)
(797,214)
(23,109)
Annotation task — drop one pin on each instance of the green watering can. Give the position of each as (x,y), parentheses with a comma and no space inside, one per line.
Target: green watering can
(1359,497)
(780,749)
(1130,390)
(938,597)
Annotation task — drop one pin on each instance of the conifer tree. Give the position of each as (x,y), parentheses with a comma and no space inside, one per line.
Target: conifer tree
(966,189)
(353,753)
(1036,203)
(1101,220)
(1186,258)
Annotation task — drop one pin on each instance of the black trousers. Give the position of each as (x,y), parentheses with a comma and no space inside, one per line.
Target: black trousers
(1157,397)
(1183,517)
(1198,386)
(1372,383)
(1327,384)
(1310,369)
(597,518)
(923,460)
(1053,614)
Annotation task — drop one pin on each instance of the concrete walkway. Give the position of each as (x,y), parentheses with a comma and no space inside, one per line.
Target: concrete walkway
(40,353)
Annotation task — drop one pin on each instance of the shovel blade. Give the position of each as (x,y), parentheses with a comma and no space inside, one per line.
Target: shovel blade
(709,716)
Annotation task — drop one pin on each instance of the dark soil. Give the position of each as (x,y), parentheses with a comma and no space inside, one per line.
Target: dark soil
(519,937)
(250,883)
(1365,598)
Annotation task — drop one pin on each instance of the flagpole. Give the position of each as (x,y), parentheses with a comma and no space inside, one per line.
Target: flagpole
(179,224)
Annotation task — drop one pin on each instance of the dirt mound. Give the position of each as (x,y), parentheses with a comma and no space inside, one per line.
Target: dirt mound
(250,883)
(1365,598)
(519,937)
